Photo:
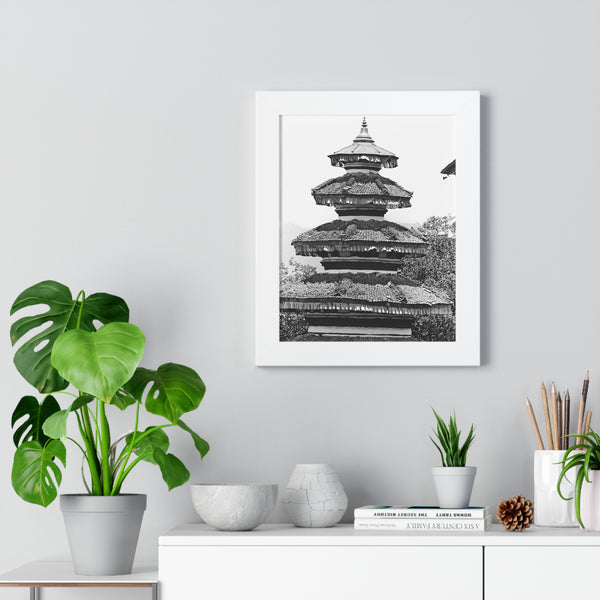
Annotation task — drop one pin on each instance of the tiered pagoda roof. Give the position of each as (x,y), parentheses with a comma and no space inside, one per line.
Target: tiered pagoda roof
(378,293)
(358,236)
(364,153)
(362,189)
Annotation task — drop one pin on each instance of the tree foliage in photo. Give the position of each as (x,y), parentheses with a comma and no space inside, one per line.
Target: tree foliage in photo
(291,323)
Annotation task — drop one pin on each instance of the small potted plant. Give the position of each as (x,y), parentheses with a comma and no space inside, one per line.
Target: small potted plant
(88,343)
(584,460)
(453,480)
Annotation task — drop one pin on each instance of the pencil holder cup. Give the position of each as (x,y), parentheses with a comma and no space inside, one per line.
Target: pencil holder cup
(549,509)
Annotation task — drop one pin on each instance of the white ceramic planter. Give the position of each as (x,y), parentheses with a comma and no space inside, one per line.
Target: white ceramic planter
(453,485)
(590,502)
(549,509)
(103,531)
(314,496)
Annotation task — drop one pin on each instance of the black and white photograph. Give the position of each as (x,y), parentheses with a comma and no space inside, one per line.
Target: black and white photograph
(368,229)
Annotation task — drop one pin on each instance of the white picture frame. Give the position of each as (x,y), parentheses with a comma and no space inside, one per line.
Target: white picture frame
(271,108)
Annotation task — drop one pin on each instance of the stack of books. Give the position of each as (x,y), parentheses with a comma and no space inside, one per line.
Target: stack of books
(422,518)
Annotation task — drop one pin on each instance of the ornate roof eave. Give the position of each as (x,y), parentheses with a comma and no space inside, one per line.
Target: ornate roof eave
(342,158)
(365,184)
(342,200)
(326,248)
(353,306)
(449,169)
(353,231)
(374,292)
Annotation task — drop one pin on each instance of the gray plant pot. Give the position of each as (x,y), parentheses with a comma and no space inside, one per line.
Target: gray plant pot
(103,531)
(453,485)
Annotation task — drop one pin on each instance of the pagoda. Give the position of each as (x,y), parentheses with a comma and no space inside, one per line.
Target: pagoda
(361,293)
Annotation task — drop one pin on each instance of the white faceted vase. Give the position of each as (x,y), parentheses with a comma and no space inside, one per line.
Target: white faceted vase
(314,496)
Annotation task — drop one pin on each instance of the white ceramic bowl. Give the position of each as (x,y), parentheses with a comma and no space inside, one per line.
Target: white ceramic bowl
(231,507)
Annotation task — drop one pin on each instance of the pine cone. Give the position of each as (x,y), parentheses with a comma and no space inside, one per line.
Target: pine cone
(515,513)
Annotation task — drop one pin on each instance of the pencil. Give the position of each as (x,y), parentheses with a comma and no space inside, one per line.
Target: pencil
(580,412)
(567,406)
(559,414)
(586,385)
(534,424)
(547,417)
(554,417)
(588,421)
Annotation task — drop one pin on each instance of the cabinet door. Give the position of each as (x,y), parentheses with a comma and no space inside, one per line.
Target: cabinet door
(548,573)
(318,572)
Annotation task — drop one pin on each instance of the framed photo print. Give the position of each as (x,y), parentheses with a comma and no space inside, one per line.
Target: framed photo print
(367,228)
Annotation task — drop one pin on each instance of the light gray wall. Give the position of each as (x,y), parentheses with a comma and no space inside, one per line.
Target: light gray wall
(126,153)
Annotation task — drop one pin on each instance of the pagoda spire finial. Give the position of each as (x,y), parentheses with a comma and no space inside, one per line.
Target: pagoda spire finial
(364,136)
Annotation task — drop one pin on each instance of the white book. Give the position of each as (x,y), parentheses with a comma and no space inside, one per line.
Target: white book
(421,512)
(458,525)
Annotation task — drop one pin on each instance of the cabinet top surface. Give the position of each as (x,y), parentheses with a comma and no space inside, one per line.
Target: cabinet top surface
(196,534)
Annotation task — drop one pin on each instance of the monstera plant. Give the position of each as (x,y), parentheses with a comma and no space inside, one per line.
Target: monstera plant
(87,344)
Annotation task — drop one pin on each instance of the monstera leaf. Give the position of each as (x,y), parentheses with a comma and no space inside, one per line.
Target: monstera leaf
(32,359)
(35,470)
(30,430)
(175,390)
(155,438)
(123,399)
(172,469)
(55,426)
(201,445)
(99,362)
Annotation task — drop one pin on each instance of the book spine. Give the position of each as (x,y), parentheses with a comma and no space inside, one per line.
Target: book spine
(422,524)
(427,513)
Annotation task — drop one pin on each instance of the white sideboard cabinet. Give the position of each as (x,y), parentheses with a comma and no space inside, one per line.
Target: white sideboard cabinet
(277,562)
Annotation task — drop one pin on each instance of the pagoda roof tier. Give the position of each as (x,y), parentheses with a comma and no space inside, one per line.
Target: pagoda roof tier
(362,263)
(359,237)
(315,337)
(362,189)
(377,293)
(363,153)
